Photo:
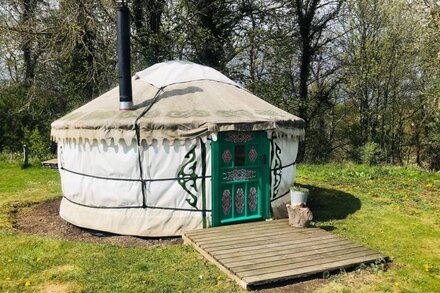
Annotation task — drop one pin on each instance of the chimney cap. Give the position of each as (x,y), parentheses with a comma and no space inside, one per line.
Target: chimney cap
(122,2)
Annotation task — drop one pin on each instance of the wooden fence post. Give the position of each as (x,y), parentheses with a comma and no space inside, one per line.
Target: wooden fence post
(25,157)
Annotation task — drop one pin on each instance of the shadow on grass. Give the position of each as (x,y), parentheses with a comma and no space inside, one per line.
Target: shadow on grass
(330,204)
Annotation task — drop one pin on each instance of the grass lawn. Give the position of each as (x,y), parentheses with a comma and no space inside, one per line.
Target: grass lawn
(391,209)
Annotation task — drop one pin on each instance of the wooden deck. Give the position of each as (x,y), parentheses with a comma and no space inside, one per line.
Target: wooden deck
(52,164)
(264,252)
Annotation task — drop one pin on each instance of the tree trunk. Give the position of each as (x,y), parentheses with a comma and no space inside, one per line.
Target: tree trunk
(28,16)
(305,15)
(147,21)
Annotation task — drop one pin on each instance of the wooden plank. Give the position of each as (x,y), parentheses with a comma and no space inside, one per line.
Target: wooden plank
(262,252)
(249,233)
(249,255)
(268,246)
(298,259)
(262,245)
(257,238)
(274,256)
(53,164)
(244,226)
(304,265)
(219,265)
(226,236)
(278,247)
(282,251)
(239,227)
(302,272)
(261,240)
(248,228)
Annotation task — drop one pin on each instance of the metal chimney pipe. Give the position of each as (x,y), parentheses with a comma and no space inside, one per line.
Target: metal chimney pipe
(124,62)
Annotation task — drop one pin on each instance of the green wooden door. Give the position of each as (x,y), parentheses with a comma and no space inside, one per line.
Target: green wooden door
(240,183)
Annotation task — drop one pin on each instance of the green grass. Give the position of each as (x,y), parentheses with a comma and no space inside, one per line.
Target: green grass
(44,263)
(24,187)
(106,268)
(391,209)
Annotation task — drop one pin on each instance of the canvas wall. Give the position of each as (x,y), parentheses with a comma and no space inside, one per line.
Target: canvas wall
(103,187)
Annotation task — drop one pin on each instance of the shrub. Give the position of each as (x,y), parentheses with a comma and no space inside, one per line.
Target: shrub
(371,153)
(38,147)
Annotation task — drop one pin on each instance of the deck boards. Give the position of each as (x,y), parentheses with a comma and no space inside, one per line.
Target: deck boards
(52,164)
(264,252)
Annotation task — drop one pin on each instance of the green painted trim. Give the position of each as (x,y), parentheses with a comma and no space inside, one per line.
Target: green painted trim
(242,219)
(203,147)
(215,175)
(266,176)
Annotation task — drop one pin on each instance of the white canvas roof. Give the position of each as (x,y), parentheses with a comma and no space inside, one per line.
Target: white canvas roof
(172,72)
(176,100)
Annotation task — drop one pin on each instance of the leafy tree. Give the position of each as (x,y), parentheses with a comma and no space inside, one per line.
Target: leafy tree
(212,29)
(150,40)
(364,75)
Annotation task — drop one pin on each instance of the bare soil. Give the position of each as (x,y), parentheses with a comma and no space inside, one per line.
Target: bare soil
(43,219)
(304,285)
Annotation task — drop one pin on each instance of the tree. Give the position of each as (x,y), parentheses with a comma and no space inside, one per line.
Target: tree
(388,76)
(314,17)
(150,42)
(426,125)
(212,28)
(84,48)
(58,55)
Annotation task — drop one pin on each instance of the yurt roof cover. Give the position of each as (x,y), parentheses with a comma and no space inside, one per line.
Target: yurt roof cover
(176,100)
(172,72)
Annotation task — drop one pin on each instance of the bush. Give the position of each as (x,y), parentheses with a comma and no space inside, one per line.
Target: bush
(39,149)
(434,144)
(371,153)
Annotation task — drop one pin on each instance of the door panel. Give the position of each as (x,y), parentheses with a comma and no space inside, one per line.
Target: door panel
(240,177)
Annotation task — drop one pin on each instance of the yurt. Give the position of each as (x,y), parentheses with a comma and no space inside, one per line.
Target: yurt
(195,150)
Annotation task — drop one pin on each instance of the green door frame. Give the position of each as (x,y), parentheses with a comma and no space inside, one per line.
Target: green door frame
(263,181)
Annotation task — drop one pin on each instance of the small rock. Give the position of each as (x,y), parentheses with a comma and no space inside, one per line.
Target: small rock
(299,216)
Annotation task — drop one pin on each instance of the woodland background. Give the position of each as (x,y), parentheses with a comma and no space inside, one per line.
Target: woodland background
(363,74)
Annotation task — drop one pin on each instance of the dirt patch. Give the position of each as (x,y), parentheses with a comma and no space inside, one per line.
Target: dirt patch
(43,219)
(58,288)
(305,286)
